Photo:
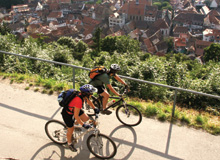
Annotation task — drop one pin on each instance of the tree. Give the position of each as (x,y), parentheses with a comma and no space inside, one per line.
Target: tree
(170,44)
(126,44)
(97,39)
(109,44)
(67,41)
(4,29)
(212,53)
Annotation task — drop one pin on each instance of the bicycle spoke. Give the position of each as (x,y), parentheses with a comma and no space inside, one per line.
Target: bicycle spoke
(128,115)
(101,146)
(56,131)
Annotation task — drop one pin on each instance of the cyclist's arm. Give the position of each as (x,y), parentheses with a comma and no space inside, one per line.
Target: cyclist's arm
(90,103)
(112,89)
(76,116)
(119,79)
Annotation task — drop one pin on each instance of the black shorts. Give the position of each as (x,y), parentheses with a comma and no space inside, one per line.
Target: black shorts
(101,89)
(69,119)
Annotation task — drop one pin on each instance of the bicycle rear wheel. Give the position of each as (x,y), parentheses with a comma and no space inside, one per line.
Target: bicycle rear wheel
(101,146)
(56,131)
(128,115)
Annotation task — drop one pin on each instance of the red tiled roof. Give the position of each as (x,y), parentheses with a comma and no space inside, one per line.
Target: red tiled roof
(179,42)
(55,15)
(136,9)
(150,46)
(89,20)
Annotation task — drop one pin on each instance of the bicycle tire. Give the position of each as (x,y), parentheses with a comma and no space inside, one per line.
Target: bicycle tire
(56,131)
(130,117)
(94,146)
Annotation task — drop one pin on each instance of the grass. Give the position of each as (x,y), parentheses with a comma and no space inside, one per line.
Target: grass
(208,121)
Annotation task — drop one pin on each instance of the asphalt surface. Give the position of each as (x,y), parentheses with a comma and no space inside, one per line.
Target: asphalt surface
(23,114)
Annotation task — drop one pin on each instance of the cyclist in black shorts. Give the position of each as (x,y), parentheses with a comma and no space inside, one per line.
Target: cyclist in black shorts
(75,112)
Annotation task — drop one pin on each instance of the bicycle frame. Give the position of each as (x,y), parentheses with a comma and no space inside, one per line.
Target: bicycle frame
(117,103)
(94,129)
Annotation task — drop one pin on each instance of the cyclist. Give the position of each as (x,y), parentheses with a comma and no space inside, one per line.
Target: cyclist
(75,112)
(104,79)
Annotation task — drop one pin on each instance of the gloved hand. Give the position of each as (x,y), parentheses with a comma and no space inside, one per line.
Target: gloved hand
(87,126)
(96,110)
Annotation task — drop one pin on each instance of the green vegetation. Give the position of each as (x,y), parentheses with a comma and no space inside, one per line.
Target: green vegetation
(173,69)
(162,4)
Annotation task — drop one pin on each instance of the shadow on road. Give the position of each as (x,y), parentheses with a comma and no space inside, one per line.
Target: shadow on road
(29,113)
(24,112)
(131,143)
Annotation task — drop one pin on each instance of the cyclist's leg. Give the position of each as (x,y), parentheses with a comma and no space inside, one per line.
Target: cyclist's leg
(105,98)
(69,121)
(104,93)
(83,116)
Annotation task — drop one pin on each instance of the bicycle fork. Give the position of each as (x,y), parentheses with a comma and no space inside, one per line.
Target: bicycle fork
(127,112)
(98,140)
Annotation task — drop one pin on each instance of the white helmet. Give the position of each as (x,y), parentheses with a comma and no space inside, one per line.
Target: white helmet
(115,67)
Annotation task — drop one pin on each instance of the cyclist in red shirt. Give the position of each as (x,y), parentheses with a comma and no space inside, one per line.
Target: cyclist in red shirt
(75,112)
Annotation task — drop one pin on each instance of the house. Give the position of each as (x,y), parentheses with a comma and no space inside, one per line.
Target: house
(32,28)
(190,20)
(161,48)
(148,46)
(90,21)
(200,45)
(199,3)
(58,1)
(135,34)
(20,8)
(128,27)
(214,4)
(39,7)
(7,19)
(150,13)
(102,12)
(161,25)
(180,44)
(204,10)
(211,35)
(212,20)
(116,19)
(155,44)
(179,30)
(135,9)
(19,11)
(53,16)
(17,27)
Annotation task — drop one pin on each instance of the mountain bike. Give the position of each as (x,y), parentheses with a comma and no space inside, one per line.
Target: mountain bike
(99,145)
(127,114)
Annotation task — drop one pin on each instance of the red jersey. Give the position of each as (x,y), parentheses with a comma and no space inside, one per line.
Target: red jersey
(75,103)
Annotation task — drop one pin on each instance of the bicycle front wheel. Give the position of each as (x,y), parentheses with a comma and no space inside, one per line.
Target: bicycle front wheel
(56,131)
(101,146)
(128,115)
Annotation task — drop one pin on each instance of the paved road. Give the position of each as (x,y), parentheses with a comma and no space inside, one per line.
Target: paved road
(23,115)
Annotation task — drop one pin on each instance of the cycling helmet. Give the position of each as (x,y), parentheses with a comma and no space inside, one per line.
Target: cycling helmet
(115,67)
(87,89)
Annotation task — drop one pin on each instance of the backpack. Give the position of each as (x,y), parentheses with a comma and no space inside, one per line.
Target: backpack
(98,70)
(65,97)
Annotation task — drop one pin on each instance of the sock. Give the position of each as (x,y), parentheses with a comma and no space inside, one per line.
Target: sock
(69,143)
